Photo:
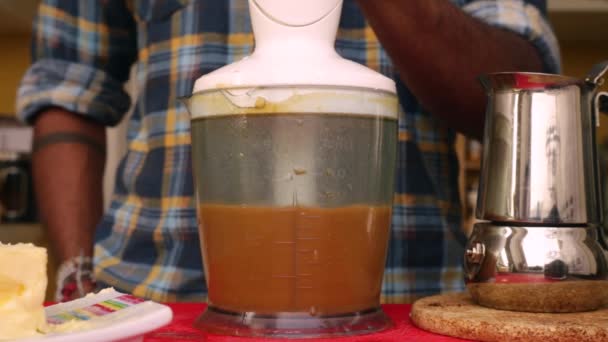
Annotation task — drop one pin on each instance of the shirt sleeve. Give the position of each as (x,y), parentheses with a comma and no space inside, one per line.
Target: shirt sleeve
(82,52)
(526,18)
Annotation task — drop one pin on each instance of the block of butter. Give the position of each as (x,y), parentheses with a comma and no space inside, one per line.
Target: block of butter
(22,288)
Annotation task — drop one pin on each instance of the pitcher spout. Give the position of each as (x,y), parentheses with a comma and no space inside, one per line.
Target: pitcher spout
(187,102)
(595,78)
(486,82)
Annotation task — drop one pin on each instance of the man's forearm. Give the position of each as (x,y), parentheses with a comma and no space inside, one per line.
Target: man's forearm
(439,51)
(68,180)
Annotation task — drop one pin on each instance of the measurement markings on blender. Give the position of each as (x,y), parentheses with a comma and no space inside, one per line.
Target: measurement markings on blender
(306,228)
(284,276)
(308,216)
(307,254)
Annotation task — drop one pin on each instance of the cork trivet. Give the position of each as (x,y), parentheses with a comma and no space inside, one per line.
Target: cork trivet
(456,315)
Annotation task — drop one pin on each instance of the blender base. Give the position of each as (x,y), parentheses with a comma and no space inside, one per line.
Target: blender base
(290,324)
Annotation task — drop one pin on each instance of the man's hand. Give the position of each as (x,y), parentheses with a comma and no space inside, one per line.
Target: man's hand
(68,162)
(75,279)
(439,51)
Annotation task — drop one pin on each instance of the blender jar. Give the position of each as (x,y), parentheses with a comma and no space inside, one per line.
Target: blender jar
(294,154)
(294,203)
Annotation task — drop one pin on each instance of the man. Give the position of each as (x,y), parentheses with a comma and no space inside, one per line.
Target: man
(147,242)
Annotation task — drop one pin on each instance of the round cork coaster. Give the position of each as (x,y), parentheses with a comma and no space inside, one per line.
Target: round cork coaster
(456,315)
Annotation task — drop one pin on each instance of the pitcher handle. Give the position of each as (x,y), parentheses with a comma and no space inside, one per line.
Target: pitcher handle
(596,74)
(600,105)
(602,102)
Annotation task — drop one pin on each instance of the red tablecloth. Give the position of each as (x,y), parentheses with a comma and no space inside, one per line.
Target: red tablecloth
(184,315)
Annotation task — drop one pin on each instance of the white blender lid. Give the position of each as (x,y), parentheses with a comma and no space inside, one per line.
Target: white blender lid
(295,47)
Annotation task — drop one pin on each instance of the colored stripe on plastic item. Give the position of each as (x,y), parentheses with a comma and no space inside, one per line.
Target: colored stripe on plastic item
(130,299)
(96,310)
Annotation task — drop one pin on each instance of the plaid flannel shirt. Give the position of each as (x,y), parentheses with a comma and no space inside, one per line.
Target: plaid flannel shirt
(147,242)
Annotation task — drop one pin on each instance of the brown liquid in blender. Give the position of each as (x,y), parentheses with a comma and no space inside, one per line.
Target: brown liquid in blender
(323,261)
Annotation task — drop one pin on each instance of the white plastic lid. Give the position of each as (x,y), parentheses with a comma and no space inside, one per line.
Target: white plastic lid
(294,46)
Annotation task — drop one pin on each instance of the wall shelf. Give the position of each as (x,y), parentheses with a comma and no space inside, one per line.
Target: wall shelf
(577,6)
(579,20)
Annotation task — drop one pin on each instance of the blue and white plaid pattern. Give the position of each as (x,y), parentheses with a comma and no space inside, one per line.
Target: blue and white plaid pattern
(148,243)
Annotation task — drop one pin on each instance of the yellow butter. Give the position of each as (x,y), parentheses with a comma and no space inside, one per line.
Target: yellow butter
(22,288)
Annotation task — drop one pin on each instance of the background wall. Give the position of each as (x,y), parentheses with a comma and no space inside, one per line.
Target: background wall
(14,60)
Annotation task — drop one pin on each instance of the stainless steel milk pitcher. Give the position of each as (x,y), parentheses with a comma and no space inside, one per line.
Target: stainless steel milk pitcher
(539,161)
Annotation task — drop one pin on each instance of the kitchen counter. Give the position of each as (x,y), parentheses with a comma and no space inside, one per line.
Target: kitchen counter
(184,315)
